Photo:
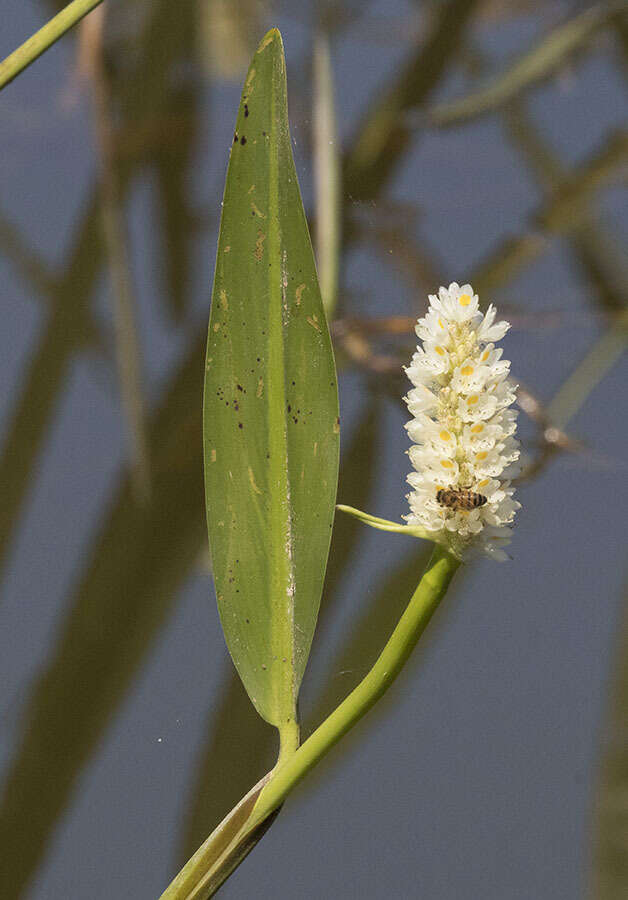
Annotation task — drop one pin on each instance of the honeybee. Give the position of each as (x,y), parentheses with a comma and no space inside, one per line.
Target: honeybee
(461,498)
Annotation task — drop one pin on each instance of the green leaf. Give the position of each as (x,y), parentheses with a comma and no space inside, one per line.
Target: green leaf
(271,427)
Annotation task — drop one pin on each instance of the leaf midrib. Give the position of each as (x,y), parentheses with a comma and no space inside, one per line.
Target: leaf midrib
(281,568)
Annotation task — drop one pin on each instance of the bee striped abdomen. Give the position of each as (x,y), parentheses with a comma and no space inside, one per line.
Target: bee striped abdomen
(460,499)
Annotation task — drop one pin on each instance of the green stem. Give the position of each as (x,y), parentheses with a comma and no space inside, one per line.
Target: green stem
(39,42)
(211,865)
(393,657)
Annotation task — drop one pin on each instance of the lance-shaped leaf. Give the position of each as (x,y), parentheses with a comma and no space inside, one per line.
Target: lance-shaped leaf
(271,428)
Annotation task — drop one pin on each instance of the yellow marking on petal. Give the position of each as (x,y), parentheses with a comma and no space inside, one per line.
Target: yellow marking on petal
(484,482)
(473,399)
(466,370)
(464,299)
(440,487)
(440,351)
(445,436)
(481,455)
(440,322)
(477,429)
(486,355)
(446,464)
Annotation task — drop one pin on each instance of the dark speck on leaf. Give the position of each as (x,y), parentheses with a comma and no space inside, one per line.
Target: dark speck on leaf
(240,425)
(235,137)
(246,111)
(243,140)
(289,408)
(240,388)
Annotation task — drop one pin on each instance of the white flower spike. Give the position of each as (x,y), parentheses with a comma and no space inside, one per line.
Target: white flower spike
(462,429)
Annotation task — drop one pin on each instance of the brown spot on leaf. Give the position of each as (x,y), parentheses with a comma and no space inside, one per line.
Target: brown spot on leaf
(259,245)
(313,321)
(252,481)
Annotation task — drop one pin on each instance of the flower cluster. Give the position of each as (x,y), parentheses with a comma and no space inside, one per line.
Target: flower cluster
(462,428)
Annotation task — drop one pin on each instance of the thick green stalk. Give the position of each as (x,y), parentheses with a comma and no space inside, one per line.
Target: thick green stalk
(39,42)
(211,865)
(411,625)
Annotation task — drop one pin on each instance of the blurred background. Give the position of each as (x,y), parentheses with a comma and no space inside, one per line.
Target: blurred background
(434,141)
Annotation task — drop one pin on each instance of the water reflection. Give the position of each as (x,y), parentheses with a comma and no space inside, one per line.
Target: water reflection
(145,85)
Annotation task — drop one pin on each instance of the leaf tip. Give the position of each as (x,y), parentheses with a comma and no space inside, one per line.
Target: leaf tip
(273,35)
